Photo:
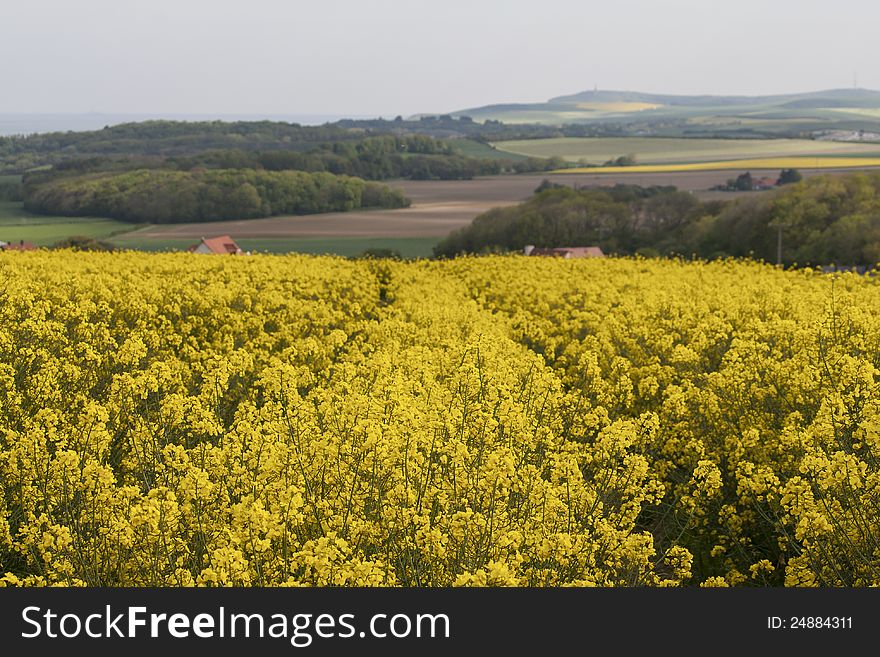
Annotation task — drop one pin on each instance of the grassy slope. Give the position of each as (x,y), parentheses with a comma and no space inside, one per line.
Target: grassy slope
(666,151)
(850,109)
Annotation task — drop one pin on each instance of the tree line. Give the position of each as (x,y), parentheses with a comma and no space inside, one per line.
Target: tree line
(367,152)
(170,137)
(166,196)
(414,157)
(822,220)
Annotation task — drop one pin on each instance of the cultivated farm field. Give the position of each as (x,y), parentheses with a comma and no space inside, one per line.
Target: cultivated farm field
(779,163)
(438,207)
(673,116)
(176,420)
(654,150)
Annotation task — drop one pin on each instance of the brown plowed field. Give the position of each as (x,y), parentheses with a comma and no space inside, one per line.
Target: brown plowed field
(438,207)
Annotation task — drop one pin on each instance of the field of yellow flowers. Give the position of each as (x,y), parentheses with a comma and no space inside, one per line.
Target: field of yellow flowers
(177,420)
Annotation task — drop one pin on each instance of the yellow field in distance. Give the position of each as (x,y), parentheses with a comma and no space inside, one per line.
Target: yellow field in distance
(593,151)
(618,107)
(754,163)
(864,111)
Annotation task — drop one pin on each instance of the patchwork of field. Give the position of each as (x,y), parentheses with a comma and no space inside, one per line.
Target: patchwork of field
(739,122)
(728,165)
(438,207)
(738,117)
(623,107)
(653,150)
(573,113)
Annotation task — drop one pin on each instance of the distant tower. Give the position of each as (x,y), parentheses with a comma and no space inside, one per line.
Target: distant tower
(855,80)
(595,87)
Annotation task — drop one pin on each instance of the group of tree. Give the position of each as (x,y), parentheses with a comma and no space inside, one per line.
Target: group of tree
(746,183)
(488,130)
(19,153)
(620,219)
(145,184)
(371,153)
(635,125)
(621,161)
(83,243)
(10,191)
(413,157)
(174,138)
(166,196)
(822,220)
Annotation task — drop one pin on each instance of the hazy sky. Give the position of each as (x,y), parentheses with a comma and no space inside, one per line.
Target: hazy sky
(383,57)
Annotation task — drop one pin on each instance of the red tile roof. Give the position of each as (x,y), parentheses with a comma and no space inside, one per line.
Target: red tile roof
(222,245)
(21,246)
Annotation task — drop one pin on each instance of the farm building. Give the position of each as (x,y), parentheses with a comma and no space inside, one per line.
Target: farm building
(222,245)
(565,251)
(21,246)
(760,184)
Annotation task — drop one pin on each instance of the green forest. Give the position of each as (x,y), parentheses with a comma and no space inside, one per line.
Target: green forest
(371,158)
(169,172)
(166,196)
(372,153)
(822,220)
(376,158)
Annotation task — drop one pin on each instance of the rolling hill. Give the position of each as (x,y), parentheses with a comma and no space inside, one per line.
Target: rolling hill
(804,114)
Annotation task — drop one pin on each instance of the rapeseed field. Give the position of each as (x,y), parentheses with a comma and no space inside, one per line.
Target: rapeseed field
(180,420)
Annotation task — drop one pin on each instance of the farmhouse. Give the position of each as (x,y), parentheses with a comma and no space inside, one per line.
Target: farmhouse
(222,245)
(21,246)
(565,251)
(761,184)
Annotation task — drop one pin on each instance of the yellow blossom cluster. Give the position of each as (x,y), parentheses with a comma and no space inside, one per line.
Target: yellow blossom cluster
(176,420)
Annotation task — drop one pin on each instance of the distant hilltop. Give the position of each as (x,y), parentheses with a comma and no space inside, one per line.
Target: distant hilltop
(628,106)
(828,98)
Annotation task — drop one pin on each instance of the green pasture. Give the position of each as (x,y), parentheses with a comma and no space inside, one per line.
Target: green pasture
(17,224)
